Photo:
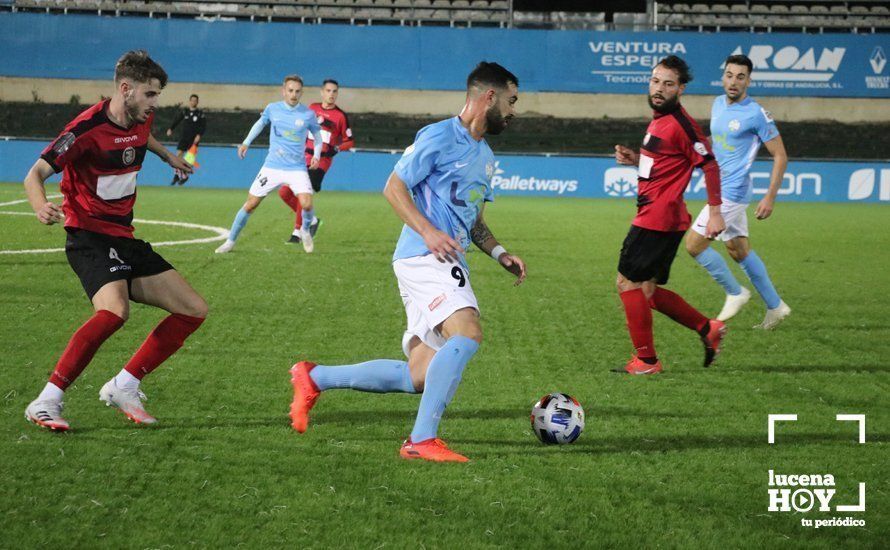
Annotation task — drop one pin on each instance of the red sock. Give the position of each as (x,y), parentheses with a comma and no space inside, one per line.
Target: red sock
(161,343)
(83,346)
(674,306)
(639,322)
(291,200)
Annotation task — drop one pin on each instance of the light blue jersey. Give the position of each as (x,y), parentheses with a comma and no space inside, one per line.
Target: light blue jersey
(737,131)
(287,137)
(449,174)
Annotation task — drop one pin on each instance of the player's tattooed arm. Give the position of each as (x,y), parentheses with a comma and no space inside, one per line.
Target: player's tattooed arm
(482,237)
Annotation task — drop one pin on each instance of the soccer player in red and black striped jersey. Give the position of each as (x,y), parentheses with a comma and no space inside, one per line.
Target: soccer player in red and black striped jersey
(337,136)
(100,153)
(673,146)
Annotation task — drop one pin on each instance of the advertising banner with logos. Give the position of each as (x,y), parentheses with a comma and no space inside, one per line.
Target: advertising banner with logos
(518,175)
(426,58)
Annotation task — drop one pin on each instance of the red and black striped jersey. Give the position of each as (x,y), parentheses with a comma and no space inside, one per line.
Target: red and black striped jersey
(335,132)
(673,146)
(99,160)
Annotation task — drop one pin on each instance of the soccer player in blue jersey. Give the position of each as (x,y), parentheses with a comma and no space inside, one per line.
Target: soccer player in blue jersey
(439,189)
(739,125)
(285,165)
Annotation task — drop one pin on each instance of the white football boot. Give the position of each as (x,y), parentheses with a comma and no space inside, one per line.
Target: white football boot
(225,247)
(306,238)
(775,316)
(734,304)
(128,400)
(48,414)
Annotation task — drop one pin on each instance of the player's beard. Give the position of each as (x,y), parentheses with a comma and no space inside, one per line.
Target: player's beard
(495,122)
(134,112)
(667,105)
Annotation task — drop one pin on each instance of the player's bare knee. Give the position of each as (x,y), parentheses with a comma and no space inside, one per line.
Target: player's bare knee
(197,307)
(121,310)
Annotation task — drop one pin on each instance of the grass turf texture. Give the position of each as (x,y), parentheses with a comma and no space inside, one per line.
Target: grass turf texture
(676,460)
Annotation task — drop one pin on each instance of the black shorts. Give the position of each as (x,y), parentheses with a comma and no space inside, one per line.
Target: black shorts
(99,259)
(315,177)
(185,143)
(648,254)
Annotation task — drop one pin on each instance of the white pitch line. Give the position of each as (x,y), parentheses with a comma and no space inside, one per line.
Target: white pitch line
(221,232)
(21,201)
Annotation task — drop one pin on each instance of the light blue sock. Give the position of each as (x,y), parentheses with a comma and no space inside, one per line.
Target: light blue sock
(239,223)
(308,216)
(442,378)
(379,376)
(756,271)
(711,260)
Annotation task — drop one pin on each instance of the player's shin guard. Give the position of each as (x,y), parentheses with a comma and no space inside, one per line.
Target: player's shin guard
(755,269)
(639,322)
(161,343)
(379,376)
(712,261)
(287,195)
(442,378)
(83,346)
(674,306)
(239,223)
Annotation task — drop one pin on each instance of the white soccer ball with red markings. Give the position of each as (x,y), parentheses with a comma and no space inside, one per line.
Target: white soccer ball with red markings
(557,419)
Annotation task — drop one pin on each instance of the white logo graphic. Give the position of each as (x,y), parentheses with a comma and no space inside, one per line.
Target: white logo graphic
(700,148)
(878,60)
(801,493)
(489,171)
(129,156)
(862,184)
(194,119)
(520,183)
(299,123)
(620,182)
(646,138)
(734,125)
(790,67)
(320,119)
(112,255)
(459,165)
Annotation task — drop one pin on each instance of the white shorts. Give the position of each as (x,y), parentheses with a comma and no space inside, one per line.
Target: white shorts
(270,179)
(735,216)
(431,291)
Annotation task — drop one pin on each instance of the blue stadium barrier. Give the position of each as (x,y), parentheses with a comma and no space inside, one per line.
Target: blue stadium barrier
(427,58)
(523,175)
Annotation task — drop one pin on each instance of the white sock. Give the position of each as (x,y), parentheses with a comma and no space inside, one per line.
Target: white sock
(126,380)
(51,392)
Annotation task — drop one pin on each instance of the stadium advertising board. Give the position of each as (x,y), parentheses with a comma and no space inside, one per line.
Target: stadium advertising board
(809,65)
(522,175)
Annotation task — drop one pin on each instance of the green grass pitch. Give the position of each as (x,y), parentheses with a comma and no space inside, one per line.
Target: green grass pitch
(676,460)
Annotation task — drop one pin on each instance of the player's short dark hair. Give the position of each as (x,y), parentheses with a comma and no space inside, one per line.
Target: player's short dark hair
(294,77)
(330,81)
(740,60)
(195,96)
(684,73)
(139,67)
(491,74)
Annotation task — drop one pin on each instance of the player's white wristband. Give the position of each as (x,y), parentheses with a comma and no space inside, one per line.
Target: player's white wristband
(497,251)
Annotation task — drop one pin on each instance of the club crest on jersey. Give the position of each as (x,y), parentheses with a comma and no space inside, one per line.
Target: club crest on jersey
(320,119)
(129,155)
(700,148)
(64,143)
(299,123)
(734,125)
(489,171)
(646,138)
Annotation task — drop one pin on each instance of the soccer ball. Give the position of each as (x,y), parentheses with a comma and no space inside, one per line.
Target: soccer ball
(557,419)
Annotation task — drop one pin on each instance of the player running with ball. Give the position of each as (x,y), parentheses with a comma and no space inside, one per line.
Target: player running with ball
(438,189)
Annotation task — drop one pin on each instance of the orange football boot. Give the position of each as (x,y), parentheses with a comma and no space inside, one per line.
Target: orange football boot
(433,449)
(305,395)
(711,340)
(638,366)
